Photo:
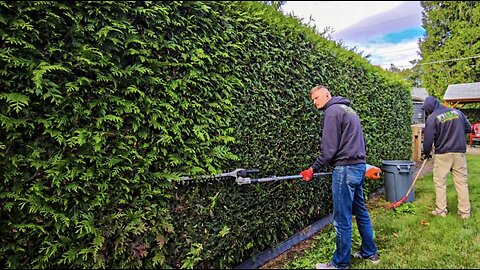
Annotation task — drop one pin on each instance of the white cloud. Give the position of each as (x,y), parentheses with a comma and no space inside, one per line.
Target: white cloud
(337,14)
(393,19)
(399,54)
(364,25)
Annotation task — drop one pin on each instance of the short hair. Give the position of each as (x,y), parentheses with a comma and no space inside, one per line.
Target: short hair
(316,88)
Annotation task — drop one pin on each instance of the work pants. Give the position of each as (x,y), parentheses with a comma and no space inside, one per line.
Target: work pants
(457,164)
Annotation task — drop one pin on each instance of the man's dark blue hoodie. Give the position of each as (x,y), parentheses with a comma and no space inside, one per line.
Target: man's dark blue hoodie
(445,128)
(343,142)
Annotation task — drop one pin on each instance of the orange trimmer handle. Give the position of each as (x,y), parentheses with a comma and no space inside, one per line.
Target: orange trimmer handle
(373,172)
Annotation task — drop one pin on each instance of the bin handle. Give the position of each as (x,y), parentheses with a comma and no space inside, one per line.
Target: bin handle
(399,167)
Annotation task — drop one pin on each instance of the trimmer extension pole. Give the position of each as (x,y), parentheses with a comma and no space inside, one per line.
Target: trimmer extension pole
(247,180)
(372,173)
(235,173)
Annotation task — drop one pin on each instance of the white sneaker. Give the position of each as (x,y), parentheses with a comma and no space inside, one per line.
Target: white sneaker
(375,258)
(327,265)
(440,213)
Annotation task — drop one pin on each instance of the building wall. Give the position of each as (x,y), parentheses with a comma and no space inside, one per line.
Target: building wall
(418,116)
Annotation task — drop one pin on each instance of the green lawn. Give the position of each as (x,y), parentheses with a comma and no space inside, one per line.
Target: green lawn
(409,237)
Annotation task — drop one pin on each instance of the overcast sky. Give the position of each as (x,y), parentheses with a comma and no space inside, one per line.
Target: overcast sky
(387,30)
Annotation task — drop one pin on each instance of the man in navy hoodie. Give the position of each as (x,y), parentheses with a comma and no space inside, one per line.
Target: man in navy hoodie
(445,129)
(343,147)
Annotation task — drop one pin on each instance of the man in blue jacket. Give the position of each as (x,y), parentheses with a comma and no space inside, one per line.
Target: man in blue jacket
(445,129)
(343,147)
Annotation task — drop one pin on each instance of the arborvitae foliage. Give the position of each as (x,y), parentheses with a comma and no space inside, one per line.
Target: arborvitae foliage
(451,47)
(105,105)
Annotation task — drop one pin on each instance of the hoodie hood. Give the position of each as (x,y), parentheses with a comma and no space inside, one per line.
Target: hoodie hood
(430,104)
(337,100)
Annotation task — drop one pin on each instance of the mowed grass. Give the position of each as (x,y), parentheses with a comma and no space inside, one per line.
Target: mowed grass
(409,237)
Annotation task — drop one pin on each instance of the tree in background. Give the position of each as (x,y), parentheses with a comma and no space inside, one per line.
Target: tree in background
(412,75)
(451,49)
(276,4)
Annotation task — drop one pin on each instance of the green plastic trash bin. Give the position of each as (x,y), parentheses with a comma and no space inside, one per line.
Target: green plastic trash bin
(398,177)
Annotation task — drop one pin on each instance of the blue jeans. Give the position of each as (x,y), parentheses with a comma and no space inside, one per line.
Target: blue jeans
(348,200)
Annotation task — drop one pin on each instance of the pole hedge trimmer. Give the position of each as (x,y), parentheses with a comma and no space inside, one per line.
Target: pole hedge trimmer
(240,175)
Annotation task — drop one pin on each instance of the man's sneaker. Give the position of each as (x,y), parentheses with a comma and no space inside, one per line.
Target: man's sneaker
(440,213)
(327,265)
(375,258)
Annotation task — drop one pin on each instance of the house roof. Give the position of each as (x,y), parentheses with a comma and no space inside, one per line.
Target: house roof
(462,93)
(419,94)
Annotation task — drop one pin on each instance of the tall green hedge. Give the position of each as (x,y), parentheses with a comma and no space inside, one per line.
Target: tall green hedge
(104,106)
